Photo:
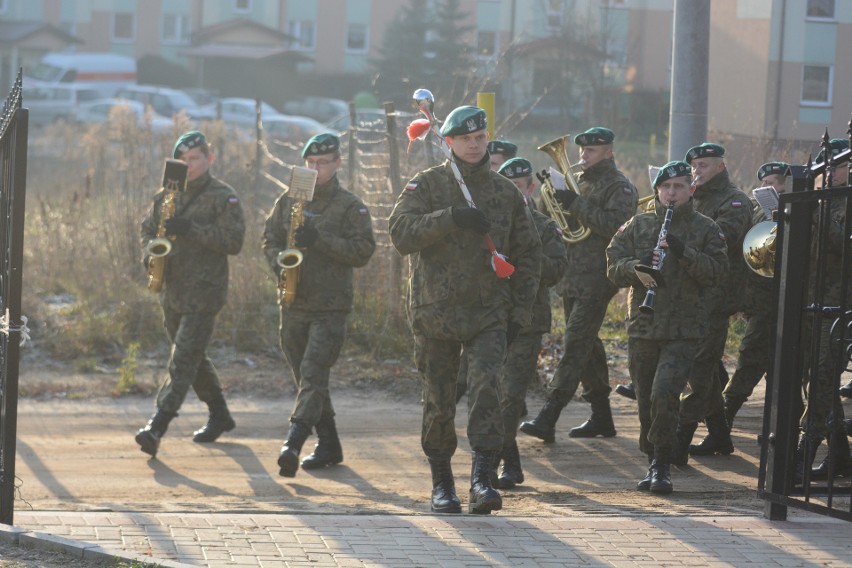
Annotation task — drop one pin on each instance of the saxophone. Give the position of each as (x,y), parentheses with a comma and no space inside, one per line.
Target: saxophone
(158,248)
(290,259)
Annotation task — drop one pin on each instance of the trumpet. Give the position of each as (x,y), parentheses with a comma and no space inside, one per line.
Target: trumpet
(646,204)
(572,230)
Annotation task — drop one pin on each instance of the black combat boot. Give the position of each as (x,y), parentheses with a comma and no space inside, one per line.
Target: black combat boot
(846,390)
(600,423)
(218,422)
(512,473)
(483,497)
(842,460)
(718,438)
(645,483)
(684,433)
(328,450)
(661,478)
(628,391)
(288,459)
(732,406)
(444,498)
(148,437)
(543,426)
(805,454)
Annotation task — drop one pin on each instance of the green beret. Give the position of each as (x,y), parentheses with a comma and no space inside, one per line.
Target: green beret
(320,144)
(671,170)
(705,150)
(516,168)
(188,141)
(836,145)
(464,120)
(507,149)
(595,136)
(770,168)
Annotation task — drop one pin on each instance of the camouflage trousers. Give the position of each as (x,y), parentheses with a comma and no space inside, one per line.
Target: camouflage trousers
(311,342)
(752,359)
(705,391)
(659,370)
(189,365)
(520,370)
(437,361)
(823,410)
(584,358)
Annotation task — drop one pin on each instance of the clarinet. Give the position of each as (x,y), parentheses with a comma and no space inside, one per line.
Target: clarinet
(647,306)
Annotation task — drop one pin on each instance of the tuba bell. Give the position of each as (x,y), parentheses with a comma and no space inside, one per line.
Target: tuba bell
(759,248)
(572,230)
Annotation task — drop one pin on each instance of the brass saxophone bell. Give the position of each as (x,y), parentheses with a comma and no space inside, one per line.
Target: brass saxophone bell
(289,258)
(158,247)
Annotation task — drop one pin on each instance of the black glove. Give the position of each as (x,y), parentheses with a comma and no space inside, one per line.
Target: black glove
(565,197)
(648,259)
(471,218)
(512,330)
(306,235)
(177,226)
(676,246)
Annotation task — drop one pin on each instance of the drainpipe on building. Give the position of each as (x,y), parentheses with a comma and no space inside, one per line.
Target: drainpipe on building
(777,111)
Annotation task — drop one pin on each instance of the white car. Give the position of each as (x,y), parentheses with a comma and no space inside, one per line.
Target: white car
(294,129)
(101,111)
(241,111)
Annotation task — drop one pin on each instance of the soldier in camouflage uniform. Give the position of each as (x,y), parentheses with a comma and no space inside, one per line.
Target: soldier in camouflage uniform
(456,300)
(753,355)
(335,237)
(499,151)
(662,345)
(522,358)
(716,197)
(606,200)
(207,226)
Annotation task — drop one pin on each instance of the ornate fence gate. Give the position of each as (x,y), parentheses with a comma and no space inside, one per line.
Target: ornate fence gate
(13,186)
(812,346)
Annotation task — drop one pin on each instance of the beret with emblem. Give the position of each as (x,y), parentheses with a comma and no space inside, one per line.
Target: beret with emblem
(464,120)
(836,145)
(516,168)
(507,149)
(773,168)
(188,141)
(595,136)
(671,170)
(320,144)
(705,150)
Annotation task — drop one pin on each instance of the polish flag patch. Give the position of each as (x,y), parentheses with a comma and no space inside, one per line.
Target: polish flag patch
(411,186)
(363,211)
(736,204)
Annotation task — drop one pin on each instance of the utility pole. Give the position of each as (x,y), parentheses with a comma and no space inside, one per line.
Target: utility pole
(690,76)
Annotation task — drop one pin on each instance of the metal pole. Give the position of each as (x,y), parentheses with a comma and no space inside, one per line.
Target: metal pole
(394,185)
(690,76)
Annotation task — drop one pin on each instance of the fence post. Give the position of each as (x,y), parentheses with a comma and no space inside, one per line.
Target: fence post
(351,161)
(395,183)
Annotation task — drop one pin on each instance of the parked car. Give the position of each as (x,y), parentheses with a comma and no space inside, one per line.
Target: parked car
(56,103)
(294,129)
(106,72)
(241,111)
(322,109)
(100,111)
(166,101)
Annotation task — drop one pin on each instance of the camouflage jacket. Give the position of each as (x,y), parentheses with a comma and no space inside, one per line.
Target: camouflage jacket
(720,200)
(345,242)
(554,262)
(196,277)
(681,310)
(454,293)
(607,199)
(836,241)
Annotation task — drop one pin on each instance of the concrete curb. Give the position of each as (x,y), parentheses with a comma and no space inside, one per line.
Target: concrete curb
(75,549)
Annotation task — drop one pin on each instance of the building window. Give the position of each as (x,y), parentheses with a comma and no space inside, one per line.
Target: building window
(175,29)
(553,12)
(242,6)
(486,44)
(3,6)
(304,32)
(356,38)
(821,9)
(817,84)
(123,27)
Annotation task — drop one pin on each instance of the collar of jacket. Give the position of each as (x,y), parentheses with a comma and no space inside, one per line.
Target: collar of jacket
(598,170)
(716,183)
(199,183)
(326,190)
(681,212)
(474,173)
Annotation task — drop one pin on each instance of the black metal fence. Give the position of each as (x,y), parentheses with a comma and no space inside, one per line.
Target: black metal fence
(13,186)
(803,422)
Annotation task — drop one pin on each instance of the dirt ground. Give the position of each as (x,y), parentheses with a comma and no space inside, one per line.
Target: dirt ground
(76,452)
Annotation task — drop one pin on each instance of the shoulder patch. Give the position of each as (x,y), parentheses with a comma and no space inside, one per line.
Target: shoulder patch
(363,211)
(622,227)
(736,204)
(411,186)
(233,200)
(627,190)
(559,231)
(722,237)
